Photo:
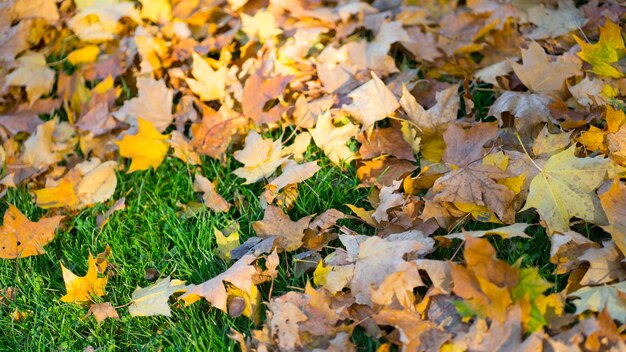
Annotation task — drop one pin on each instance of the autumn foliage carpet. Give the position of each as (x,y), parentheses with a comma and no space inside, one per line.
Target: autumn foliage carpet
(309,175)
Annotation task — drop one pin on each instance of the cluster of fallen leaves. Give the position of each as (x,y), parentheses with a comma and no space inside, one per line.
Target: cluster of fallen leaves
(396,79)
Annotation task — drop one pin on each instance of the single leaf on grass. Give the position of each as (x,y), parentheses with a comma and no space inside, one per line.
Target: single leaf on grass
(81,289)
(260,157)
(20,237)
(605,54)
(372,102)
(152,300)
(275,223)
(565,188)
(101,311)
(225,244)
(332,139)
(598,298)
(147,148)
(211,198)
(240,275)
(153,104)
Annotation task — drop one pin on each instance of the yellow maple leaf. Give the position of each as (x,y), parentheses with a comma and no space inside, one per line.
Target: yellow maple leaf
(565,188)
(147,148)
(607,51)
(81,289)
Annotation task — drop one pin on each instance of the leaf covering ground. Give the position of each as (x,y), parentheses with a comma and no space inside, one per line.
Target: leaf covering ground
(313,176)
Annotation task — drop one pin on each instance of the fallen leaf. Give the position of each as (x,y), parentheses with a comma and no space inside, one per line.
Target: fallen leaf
(208,84)
(225,244)
(609,297)
(371,102)
(153,104)
(604,54)
(333,140)
(614,205)
(101,311)
(210,197)
(152,300)
(542,74)
(565,188)
(147,148)
(213,290)
(275,223)
(260,157)
(20,237)
(81,289)
(33,73)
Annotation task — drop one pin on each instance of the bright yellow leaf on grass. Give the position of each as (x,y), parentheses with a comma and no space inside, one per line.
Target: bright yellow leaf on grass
(606,52)
(80,289)
(84,55)
(147,148)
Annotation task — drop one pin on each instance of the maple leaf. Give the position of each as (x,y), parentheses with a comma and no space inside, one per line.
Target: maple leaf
(208,83)
(258,91)
(600,297)
(101,311)
(33,73)
(606,52)
(416,334)
(477,184)
(147,148)
(81,289)
(566,188)
(260,157)
(554,23)
(152,300)
(275,223)
(372,102)
(542,75)
(529,109)
(332,139)
(20,237)
(153,104)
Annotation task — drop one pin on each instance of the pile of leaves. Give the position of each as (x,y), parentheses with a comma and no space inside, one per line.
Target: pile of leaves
(453,112)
